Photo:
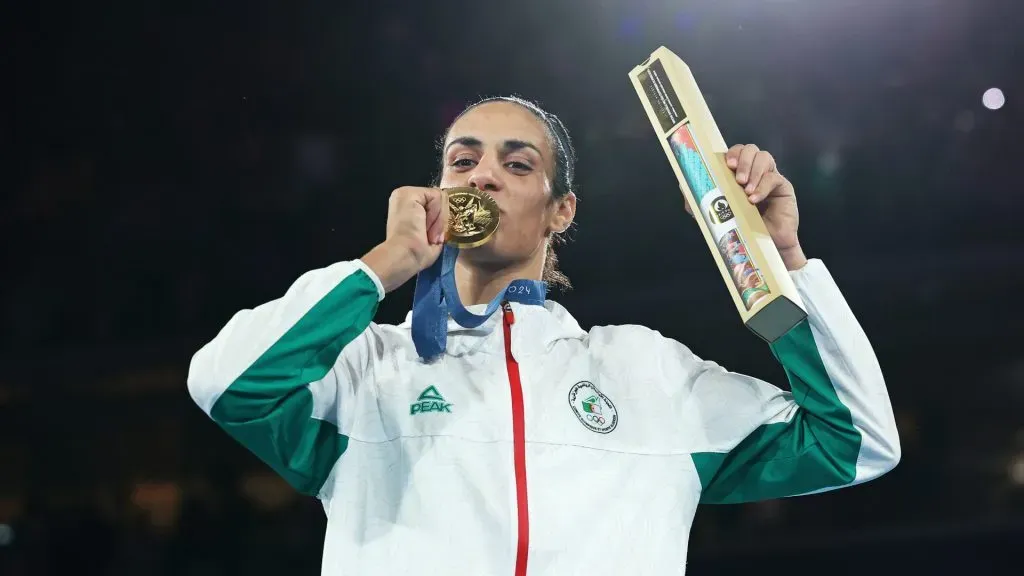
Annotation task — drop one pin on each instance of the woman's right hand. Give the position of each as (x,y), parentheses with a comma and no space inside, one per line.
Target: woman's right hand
(417,220)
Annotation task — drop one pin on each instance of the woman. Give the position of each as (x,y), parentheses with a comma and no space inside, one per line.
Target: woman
(525,444)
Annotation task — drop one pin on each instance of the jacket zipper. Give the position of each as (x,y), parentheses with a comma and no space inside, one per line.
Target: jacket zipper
(518,442)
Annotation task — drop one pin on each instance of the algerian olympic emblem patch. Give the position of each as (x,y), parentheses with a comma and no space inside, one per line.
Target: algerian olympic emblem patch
(593,408)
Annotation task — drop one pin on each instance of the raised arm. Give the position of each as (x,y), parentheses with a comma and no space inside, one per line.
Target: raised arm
(834,429)
(278,377)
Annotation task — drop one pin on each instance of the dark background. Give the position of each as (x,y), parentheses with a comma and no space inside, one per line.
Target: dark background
(173,162)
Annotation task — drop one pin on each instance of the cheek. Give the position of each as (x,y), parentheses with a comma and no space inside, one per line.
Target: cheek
(451,179)
(516,239)
(526,221)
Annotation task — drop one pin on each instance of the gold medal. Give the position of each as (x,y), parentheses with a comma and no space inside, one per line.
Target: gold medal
(472,217)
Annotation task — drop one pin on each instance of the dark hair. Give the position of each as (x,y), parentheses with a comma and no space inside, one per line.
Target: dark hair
(565,168)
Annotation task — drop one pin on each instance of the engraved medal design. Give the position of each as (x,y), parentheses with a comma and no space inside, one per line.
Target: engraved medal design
(472,217)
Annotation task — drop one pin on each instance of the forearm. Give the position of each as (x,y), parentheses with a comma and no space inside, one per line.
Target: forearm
(836,426)
(838,384)
(259,377)
(279,340)
(393,265)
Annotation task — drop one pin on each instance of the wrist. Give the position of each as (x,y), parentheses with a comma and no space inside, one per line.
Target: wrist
(393,265)
(794,258)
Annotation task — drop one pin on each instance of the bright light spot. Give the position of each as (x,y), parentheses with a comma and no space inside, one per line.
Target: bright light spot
(1017,470)
(6,535)
(993,99)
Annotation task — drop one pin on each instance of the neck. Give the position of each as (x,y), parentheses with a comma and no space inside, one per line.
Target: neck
(479,284)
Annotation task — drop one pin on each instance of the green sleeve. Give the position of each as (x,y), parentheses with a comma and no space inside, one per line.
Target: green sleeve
(814,449)
(834,428)
(268,378)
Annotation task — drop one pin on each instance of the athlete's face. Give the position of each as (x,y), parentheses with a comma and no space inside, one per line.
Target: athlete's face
(502,148)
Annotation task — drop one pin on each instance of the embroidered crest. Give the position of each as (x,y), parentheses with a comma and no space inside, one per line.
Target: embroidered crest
(593,408)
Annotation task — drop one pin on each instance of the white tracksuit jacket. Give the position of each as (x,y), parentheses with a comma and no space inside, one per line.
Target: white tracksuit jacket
(533,446)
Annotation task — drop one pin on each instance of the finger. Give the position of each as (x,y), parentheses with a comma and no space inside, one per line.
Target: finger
(442,223)
(436,207)
(770,184)
(763,164)
(686,202)
(744,162)
(733,155)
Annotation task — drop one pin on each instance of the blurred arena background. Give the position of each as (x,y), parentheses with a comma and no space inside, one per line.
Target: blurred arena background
(172,162)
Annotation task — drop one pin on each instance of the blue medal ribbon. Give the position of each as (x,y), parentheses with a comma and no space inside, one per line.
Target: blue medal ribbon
(436,297)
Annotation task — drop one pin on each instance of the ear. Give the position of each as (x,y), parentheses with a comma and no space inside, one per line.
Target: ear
(562,216)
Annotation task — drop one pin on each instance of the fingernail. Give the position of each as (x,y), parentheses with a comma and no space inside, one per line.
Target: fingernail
(741,177)
(731,162)
(750,188)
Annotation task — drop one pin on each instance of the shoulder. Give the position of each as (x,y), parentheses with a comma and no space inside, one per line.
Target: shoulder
(634,339)
(640,354)
(630,343)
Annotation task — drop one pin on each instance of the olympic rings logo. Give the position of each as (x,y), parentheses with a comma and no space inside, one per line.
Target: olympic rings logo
(599,420)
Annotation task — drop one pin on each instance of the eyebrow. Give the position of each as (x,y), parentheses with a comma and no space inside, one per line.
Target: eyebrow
(506,147)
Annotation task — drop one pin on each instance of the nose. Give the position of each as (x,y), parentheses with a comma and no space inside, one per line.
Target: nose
(483,178)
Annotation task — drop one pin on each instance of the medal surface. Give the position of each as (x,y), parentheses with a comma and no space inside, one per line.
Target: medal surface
(472,217)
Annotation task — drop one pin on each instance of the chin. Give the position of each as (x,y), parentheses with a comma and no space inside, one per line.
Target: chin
(492,256)
(485,254)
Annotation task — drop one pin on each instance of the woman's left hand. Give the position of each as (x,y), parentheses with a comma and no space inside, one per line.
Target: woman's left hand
(774,196)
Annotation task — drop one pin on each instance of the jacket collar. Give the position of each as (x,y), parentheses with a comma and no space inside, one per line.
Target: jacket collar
(536,329)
